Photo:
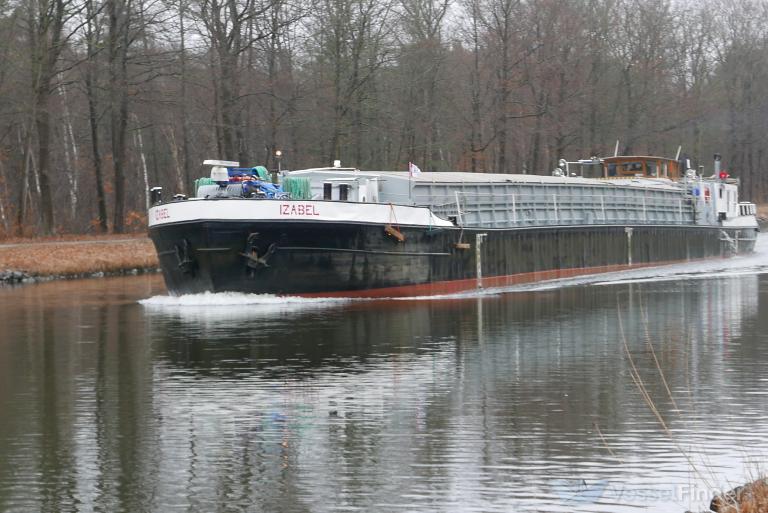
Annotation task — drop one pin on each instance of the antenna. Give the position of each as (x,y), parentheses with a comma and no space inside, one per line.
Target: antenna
(616,149)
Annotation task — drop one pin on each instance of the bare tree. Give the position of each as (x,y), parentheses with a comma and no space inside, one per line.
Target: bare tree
(352,38)
(45,26)
(503,36)
(742,69)
(92,35)
(119,39)
(641,49)
(422,58)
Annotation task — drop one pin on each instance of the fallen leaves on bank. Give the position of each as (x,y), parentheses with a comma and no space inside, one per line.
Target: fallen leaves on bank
(80,257)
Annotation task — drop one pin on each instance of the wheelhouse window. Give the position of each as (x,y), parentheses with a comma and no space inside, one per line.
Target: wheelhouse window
(632,168)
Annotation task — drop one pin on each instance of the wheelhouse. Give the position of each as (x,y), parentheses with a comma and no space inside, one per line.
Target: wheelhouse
(635,167)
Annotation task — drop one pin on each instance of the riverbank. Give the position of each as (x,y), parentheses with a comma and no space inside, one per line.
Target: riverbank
(750,498)
(26,260)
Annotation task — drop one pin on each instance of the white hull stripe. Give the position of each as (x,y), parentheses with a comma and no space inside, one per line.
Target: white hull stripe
(292,210)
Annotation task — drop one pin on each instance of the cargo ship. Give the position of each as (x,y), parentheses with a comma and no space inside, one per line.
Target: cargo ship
(343,232)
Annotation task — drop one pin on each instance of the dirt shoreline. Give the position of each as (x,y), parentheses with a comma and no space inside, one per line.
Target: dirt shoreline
(749,498)
(33,260)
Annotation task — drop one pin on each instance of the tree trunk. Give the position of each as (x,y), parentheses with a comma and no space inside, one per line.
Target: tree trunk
(119,14)
(46,24)
(24,193)
(43,124)
(4,199)
(93,123)
(476,134)
(138,141)
(184,158)
(72,154)
(91,80)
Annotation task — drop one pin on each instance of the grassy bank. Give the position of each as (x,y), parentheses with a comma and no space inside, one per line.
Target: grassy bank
(82,256)
(750,498)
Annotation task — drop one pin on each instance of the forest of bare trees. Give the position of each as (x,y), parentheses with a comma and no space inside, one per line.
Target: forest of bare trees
(100,99)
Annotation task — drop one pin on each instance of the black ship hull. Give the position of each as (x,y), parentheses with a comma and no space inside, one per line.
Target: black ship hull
(381,260)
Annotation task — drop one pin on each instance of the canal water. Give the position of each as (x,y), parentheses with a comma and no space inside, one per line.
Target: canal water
(641,391)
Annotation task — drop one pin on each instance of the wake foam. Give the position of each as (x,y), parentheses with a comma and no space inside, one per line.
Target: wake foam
(224,299)
(208,309)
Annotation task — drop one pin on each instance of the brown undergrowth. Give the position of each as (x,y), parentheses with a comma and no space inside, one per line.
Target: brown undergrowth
(82,256)
(750,498)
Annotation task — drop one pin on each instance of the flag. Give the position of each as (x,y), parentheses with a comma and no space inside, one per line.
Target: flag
(413,169)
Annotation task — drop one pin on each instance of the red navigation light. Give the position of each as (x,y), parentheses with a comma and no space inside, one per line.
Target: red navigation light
(724,175)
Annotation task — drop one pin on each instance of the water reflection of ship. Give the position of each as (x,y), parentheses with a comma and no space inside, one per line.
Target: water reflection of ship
(492,382)
(286,338)
(532,346)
